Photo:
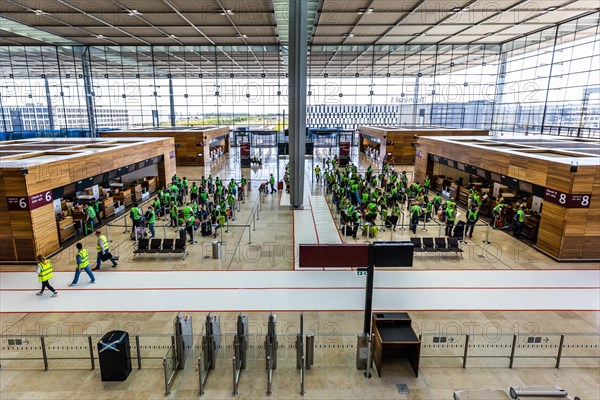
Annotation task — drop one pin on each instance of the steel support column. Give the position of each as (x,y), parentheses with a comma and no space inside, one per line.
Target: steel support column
(88,92)
(49,105)
(297,98)
(172,102)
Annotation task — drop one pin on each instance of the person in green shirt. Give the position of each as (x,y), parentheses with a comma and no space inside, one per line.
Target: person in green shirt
(188,221)
(136,214)
(151,219)
(194,193)
(437,202)
(472,217)
(185,186)
(173,213)
(415,215)
(318,173)
(91,213)
(497,213)
(450,218)
(157,206)
(372,212)
(272,183)
(519,222)
(203,198)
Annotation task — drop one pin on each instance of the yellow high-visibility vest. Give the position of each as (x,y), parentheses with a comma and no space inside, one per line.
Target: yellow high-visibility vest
(102,239)
(85,258)
(45,271)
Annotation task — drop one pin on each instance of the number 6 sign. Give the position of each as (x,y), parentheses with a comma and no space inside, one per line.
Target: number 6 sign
(29,203)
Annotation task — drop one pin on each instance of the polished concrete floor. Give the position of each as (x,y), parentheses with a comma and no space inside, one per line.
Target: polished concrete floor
(262,239)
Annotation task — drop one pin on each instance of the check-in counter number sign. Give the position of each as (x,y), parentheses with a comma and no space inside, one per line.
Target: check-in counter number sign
(29,203)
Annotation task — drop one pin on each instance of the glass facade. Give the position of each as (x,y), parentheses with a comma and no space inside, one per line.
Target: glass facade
(547,82)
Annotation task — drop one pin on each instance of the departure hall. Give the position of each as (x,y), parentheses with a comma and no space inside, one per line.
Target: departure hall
(287,199)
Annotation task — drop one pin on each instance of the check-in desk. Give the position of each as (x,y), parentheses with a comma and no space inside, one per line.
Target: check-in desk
(394,337)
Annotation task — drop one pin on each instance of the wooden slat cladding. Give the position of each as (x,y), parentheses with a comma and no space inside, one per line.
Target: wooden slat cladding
(552,224)
(187,148)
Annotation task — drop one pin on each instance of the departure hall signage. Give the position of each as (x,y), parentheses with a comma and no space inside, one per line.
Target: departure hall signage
(567,200)
(29,203)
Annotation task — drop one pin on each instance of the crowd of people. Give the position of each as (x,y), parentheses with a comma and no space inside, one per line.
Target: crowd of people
(207,204)
(371,199)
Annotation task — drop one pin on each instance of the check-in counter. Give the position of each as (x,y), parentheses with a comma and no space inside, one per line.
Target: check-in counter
(66,228)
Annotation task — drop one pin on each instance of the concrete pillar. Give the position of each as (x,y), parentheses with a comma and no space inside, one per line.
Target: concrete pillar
(297,98)
(172,102)
(88,92)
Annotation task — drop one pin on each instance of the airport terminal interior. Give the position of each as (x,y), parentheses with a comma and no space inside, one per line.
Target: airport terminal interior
(286,199)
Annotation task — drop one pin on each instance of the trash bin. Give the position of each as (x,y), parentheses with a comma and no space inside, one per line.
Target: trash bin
(362,350)
(216,250)
(115,356)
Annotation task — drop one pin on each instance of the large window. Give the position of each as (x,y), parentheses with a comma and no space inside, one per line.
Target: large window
(548,82)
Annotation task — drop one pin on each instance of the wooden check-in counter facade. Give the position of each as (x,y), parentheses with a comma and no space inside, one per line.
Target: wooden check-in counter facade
(192,144)
(32,171)
(399,142)
(559,169)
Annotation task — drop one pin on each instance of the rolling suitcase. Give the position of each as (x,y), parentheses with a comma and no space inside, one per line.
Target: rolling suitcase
(280,185)
(206,228)
(459,230)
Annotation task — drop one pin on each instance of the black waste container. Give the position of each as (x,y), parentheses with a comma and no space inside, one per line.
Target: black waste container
(115,356)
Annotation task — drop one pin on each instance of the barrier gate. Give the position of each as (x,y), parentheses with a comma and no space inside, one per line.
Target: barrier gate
(271,351)
(211,343)
(240,345)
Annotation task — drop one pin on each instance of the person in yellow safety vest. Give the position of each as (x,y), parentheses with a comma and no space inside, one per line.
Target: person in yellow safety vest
(44,272)
(472,217)
(426,184)
(318,173)
(102,247)
(83,263)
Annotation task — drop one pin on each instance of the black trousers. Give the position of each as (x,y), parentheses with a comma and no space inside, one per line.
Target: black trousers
(46,284)
(449,226)
(469,228)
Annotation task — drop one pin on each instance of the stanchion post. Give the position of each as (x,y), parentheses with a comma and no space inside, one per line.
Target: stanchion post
(466,353)
(91,346)
(44,355)
(512,351)
(200,383)
(234,391)
(402,228)
(166,372)
(560,349)
(254,221)
(424,229)
(138,352)
(107,233)
(487,235)
(249,235)
(125,231)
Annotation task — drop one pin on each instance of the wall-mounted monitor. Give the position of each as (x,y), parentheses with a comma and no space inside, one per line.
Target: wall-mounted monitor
(495,177)
(460,166)
(525,187)
(69,189)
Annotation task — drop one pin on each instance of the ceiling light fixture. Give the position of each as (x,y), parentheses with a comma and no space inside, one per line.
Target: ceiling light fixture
(551,8)
(241,36)
(132,13)
(40,12)
(362,11)
(456,9)
(100,36)
(173,36)
(227,12)
(348,34)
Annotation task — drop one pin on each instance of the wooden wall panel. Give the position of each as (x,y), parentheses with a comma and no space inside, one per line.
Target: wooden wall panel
(551,228)
(44,230)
